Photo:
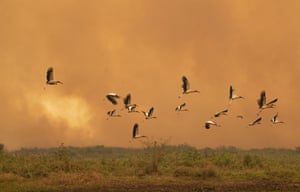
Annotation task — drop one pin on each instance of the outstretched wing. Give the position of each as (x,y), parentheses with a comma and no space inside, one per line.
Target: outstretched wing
(185,84)
(145,114)
(272,102)
(112,99)
(182,105)
(49,74)
(217,114)
(257,121)
(262,100)
(275,118)
(150,112)
(135,131)
(127,100)
(225,111)
(111,113)
(230,92)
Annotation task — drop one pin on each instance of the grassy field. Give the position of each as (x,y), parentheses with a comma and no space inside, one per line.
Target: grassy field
(157,167)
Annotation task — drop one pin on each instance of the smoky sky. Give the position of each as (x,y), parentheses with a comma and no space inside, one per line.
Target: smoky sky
(144,48)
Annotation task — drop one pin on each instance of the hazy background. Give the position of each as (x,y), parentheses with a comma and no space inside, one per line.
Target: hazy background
(144,48)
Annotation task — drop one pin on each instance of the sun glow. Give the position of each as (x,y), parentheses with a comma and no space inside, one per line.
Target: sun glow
(73,110)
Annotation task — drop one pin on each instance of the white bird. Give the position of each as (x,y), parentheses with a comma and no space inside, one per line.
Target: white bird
(50,77)
(112,97)
(112,113)
(224,112)
(135,132)
(181,107)
(148,115)
(262,102)
(130,107)
(275,119)
(207,124)
(232,95)
(256,121)
(186,86)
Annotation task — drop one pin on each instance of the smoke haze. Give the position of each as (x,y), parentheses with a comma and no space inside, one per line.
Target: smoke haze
(144,48)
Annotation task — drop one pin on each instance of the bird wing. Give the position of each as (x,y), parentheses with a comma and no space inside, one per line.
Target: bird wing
(112,99)
(50,74)
(113,111)
(231,92)
(263,97)
(207,125)
(256,121)
(275,117)
(150,112)
(135,130)
(114,95)
(127,100)
(225,111)
(211,122)
(217,114)
(145,114)
(262,100)
(182,105)
(272,102)
(185,84)
(221,112)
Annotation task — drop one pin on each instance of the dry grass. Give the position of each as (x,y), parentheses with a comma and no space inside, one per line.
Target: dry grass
(158,167)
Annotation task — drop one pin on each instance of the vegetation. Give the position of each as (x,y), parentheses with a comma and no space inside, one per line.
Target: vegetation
(67,168)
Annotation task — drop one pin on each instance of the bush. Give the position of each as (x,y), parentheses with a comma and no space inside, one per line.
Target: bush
(247,160)
(1,148)
(209,172)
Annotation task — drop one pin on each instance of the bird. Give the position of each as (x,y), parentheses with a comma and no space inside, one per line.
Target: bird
(240,116)
(50,77)
(256,121)
(207,124)
(232,95)
(275,119)
(262,102)
(181,107)
(135,132)
(112,113)
(112,97)
(130,107)
(148,115)
(186,86)
(224,112)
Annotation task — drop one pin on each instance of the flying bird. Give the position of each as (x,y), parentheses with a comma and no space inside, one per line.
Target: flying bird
(240,116)
(256,121)
(275,119)
(181,107)
(262,102)
(50,77)
(135,132)
(130,107)
(112,113)
(148,115)
(207,124)
(224,112)
(186,86)
(112,97)
(232,95)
